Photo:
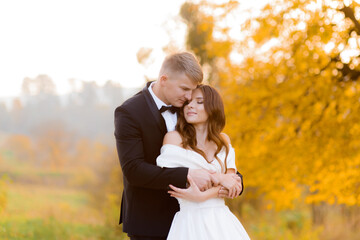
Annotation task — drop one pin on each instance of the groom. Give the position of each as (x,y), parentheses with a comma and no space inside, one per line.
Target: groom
(141,122)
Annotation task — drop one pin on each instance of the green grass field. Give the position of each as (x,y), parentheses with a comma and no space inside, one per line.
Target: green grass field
(42,212)
(73,203)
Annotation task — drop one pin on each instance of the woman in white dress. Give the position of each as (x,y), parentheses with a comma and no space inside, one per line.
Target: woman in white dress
(198,143)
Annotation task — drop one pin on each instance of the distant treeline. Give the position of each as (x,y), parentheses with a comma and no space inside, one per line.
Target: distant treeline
(86,112)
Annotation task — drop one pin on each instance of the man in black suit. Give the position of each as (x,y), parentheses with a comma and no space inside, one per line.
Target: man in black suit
(141,122)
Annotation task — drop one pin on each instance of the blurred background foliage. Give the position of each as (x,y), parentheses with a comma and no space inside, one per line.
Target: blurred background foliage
(291,91)
(290,86)
(59,173)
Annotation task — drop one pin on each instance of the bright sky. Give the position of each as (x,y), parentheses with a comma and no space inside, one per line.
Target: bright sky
(91,40)
(83,39)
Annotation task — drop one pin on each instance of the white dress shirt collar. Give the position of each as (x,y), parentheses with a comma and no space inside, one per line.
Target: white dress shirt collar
(169,117)
(157,100)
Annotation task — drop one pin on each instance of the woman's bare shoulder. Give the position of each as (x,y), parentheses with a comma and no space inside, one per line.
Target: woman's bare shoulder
(173,138)
(226,138)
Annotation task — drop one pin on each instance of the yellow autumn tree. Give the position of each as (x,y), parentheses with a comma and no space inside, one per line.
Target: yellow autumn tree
(53,142)
(292,102)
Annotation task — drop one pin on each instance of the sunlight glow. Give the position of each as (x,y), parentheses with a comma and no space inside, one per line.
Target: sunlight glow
(86,40)
(329,47)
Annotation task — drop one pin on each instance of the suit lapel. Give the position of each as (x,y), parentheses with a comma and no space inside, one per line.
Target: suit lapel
(160,122)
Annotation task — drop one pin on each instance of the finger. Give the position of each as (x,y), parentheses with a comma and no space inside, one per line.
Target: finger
(237,191)
(221,195)
(205,187)
(234,193)
(225,196)
(176,195)
(236,177)
(209,185)
(190,180)
(176,189)
(226,192)
(215,180)
(192,183)
(230,193)
(239,187)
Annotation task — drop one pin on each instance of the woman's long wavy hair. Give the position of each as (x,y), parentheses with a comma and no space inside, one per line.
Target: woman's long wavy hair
(214,107)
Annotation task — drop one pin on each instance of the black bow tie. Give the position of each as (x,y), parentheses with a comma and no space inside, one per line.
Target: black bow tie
(172,109)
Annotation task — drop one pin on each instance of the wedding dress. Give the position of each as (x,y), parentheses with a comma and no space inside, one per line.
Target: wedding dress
(206,220)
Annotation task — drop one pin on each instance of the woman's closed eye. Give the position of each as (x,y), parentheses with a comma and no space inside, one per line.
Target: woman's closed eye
(199,100)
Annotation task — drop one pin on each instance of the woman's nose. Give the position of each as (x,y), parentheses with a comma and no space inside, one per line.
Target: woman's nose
(191,104)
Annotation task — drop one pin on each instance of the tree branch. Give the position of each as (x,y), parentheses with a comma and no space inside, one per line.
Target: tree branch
(349,13)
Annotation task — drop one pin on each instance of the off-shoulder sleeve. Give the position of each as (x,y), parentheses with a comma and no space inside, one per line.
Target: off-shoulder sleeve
(230,161)
(169,157)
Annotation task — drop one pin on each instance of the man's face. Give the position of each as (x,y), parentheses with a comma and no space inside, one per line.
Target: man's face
(177,89)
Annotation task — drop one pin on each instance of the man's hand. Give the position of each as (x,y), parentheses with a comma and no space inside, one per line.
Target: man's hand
(215,179)
(202,178)
(231,186)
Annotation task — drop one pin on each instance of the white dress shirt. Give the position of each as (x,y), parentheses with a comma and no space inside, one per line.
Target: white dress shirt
(170,118)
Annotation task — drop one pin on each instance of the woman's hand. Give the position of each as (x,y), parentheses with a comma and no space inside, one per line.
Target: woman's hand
(193,193)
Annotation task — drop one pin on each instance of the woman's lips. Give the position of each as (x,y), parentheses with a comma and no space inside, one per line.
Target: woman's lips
(190,113)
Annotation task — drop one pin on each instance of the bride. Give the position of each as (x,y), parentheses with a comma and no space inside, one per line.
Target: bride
(198,143)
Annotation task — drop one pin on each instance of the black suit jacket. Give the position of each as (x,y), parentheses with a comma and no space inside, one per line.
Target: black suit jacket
(146,208)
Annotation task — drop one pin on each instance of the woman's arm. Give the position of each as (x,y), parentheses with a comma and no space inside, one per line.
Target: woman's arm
(201,177)
(193,193)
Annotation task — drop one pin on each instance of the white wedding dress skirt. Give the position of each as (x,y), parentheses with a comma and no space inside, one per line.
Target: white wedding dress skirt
(206,220)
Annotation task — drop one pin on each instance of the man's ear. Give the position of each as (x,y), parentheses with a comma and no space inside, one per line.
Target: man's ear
(163,78)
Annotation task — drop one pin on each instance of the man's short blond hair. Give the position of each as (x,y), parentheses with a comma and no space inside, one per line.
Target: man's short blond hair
(183,62)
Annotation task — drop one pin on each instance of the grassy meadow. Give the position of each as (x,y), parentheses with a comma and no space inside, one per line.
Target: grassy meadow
(45,203)
(72,202)
(80,200)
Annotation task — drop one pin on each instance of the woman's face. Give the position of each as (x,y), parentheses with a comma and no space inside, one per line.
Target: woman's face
(194,111)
